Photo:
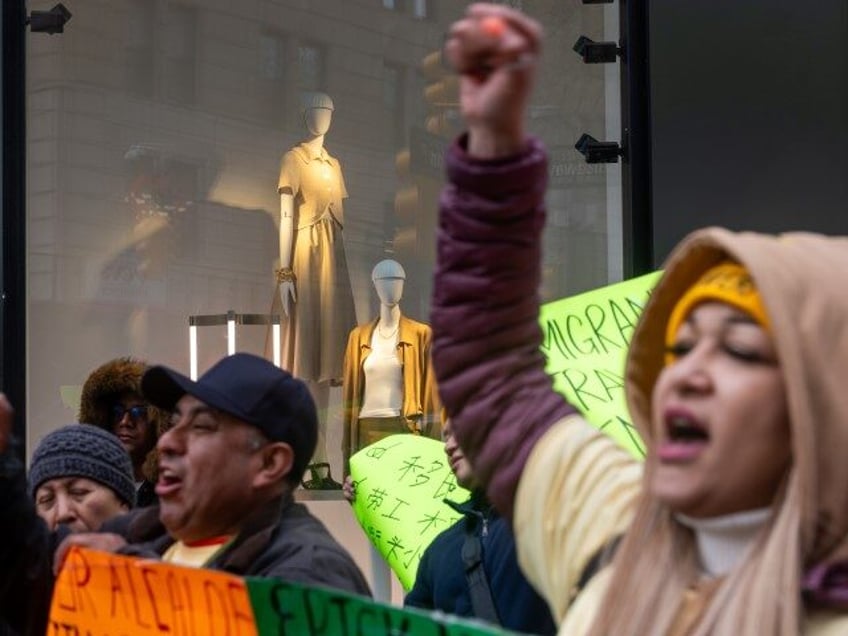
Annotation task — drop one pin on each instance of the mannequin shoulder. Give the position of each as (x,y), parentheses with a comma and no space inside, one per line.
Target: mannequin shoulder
(412,326)
(296,154)
(361,334)
(334,162)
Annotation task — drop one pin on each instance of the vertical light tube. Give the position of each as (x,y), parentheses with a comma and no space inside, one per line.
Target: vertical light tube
(231,332)
(192,348)
(275,334)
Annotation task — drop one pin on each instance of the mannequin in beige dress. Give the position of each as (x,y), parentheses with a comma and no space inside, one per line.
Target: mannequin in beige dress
(315,297)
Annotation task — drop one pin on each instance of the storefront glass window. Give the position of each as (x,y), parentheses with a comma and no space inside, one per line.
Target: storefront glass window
(166,141)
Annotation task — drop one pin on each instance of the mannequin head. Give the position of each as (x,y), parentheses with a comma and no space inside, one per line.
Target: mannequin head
(317,113)
(388,277)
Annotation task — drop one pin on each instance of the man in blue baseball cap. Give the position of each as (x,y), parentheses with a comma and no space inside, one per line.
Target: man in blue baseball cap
(240,436)
(239,441)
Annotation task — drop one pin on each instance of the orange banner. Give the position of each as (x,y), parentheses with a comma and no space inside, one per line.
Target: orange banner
(101,594)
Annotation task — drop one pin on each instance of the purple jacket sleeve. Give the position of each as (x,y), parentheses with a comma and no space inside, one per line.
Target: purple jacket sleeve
(485,308)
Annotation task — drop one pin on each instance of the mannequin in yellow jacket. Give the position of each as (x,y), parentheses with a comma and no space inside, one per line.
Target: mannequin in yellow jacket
(389,386)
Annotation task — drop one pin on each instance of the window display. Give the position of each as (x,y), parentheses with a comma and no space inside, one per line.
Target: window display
(196,159)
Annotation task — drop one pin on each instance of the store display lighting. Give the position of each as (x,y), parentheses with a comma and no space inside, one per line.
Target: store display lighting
(192,351)
(230,319)
(231,332)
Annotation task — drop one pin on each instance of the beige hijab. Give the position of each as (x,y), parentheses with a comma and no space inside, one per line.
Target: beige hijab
(803,280)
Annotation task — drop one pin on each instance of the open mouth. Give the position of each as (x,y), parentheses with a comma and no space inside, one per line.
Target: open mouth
(684,430)
(168,483)
(685,438)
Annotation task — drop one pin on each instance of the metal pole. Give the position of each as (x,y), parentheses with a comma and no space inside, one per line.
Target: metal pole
(637,226)
(13,368)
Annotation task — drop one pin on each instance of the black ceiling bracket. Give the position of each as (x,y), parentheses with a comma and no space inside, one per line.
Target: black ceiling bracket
(50,22)
(596,151)
(596,52)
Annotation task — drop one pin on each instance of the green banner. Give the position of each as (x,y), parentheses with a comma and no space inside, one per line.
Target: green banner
(286,609)
(401,484)
(585,340)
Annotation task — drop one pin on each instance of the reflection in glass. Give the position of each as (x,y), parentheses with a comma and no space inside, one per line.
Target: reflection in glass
(310,67)
(139,47)
(179,69)
(155,132)
(272,66)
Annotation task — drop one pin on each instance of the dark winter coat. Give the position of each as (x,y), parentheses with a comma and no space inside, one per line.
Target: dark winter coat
(280,540)
(441,582)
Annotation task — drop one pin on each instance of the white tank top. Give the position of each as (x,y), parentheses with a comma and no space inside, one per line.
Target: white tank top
(383,395)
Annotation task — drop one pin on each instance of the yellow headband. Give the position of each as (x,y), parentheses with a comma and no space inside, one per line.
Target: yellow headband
(728,283)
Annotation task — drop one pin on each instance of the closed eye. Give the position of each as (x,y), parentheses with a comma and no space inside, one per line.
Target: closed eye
(204,426)
(45,503)
(679,349)
(745,354)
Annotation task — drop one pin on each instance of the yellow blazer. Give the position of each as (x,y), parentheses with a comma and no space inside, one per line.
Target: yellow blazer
(421,409)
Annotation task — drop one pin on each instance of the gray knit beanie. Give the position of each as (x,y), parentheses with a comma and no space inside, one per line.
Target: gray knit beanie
(83,450)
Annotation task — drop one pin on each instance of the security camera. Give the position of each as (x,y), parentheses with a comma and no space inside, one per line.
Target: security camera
(596,151)
(595,52)
(51,22)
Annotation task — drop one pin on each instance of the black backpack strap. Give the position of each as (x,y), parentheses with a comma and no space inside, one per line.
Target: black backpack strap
(475,575)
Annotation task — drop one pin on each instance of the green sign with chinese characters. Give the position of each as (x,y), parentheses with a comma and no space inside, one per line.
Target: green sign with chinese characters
(401,484)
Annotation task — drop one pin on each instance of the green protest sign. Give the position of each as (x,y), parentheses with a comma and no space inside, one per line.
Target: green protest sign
(585,340)
(284,609)
(401,484)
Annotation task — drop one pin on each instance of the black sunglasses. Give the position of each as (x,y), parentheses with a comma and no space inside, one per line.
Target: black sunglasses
(137,413)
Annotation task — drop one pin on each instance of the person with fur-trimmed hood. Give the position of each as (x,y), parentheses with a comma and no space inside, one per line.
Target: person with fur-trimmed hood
(111,400)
